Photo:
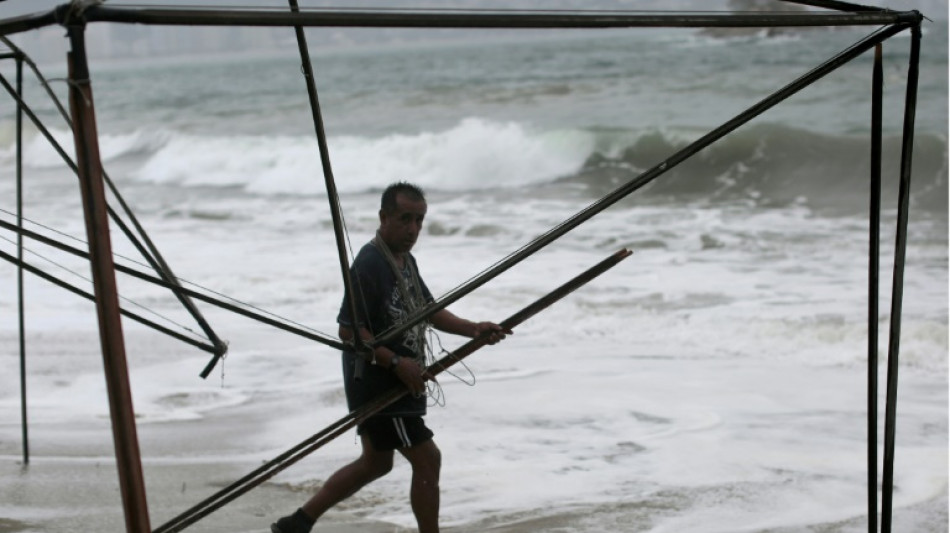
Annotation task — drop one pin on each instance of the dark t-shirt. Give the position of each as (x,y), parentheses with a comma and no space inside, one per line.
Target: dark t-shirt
(379,306)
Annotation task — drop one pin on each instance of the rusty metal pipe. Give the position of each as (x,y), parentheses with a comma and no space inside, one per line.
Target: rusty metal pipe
(128,460)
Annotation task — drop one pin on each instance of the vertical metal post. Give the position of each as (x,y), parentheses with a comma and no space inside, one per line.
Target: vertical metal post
(874,269)
(19,245)
(900,252)
(128,461)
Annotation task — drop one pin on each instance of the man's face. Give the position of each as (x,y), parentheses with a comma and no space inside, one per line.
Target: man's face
(400,228)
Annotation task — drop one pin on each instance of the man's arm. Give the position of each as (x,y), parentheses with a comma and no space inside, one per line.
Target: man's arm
(410,373)
(445,320)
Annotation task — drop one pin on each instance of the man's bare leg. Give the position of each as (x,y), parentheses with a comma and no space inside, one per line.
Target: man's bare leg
(426,461)
(346,481)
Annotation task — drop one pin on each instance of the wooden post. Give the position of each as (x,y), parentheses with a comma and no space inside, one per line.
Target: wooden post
(128,461)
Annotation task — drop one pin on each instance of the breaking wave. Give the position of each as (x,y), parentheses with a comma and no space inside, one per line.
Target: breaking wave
(768,164)
(776,165)
(475,154)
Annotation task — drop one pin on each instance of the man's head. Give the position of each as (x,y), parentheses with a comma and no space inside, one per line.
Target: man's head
(402,210)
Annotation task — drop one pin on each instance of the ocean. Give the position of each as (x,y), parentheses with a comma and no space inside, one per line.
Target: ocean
(715,381)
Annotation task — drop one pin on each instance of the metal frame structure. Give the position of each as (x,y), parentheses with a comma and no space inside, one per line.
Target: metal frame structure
(76,15)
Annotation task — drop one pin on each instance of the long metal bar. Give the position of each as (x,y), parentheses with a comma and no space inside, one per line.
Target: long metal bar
(21,294)
(160,266)
(40,273)
(332,196)
(216,346)
(643,179)
(332,342)
(874,268)
(72,165)
(128,459)
(480,18)
(39,75)
(148,250)
(311,444)
(897,287)
(142,242)
(28,22)
(837,5)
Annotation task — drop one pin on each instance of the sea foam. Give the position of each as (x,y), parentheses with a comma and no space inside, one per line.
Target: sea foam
(474,154)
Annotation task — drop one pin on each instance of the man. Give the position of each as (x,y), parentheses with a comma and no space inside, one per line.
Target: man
(388,288)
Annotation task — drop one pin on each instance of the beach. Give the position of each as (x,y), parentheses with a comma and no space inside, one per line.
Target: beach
(805,443)
(714,381)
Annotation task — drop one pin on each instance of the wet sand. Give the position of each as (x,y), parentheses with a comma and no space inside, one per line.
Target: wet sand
(83,495)
(71,483)
(72,494)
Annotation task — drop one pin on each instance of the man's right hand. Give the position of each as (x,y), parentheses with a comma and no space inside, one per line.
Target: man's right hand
(411,374)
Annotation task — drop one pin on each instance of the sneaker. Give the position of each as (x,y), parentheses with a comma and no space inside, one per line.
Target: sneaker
(290,524)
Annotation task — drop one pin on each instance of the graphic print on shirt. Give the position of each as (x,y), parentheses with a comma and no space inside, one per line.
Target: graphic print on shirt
(414,337)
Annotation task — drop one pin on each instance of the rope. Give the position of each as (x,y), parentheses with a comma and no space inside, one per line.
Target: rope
(433,388)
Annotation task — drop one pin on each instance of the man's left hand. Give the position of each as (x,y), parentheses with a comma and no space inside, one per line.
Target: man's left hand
(494,332)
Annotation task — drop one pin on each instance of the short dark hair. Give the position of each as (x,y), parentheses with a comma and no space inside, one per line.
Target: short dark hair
(388,201)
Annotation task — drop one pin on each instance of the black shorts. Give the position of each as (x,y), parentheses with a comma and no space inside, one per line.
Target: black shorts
(391,433)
